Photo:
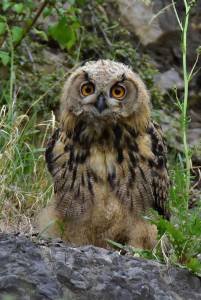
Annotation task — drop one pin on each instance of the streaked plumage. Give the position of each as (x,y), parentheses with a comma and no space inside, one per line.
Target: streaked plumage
(107,160)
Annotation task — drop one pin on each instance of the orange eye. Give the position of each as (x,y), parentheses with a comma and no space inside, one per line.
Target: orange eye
(118,91)
(87,89)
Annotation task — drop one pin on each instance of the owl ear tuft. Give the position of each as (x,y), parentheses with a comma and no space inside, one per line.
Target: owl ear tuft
(123,77)
(86,75)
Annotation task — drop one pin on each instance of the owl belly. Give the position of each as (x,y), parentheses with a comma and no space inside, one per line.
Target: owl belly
(108,218)
(102,209)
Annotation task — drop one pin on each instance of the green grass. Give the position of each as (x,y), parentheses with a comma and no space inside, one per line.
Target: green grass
(179,240)
(23,179)
(29,93)
(24,182)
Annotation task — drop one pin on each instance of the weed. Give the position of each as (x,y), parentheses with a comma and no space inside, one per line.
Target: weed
(179,240)
(23,180)
(183,233)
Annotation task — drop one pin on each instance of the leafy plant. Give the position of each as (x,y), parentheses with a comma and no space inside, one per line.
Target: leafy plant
(179,240)
(23,181)
(184,229)
(17,19)
(183,232)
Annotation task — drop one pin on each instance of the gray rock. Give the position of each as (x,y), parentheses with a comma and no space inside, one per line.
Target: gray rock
(168,80)
(23,273)
(156,26)
(138,17)
(52,270)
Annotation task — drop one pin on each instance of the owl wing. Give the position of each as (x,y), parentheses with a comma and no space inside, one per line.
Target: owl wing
(49,157)
(141,183)
(159,173)
(73,192)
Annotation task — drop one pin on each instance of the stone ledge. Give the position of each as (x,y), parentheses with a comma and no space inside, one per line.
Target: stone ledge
(54,270)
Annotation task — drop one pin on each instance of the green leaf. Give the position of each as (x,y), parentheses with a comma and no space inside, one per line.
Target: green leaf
(81,2)
(63,33)
(198,50)
(75,25)
(72,39)
(42,34)
(17,33)
(6,5)
(47,12)
(71,2)
(115,244)
(19,8)
(2,28)
(31,4)
(39,150)
(2,19)
(194,265)
(4,57)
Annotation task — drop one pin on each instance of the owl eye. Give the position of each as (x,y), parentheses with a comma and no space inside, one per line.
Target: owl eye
(87,89)
(118,91)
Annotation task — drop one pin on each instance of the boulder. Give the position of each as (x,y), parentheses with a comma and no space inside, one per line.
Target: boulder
(138,17)
(54,270)
(167,80)
(155,25)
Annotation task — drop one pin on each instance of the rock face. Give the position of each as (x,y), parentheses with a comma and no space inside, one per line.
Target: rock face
(165,81)
(155,25)
(23,273)
(137,16)
(57,271)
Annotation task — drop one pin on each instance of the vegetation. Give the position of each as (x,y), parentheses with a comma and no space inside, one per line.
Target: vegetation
(29,93)
(184,230)
(179,239)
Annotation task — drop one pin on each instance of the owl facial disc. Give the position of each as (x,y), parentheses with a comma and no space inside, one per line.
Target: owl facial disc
(105,90)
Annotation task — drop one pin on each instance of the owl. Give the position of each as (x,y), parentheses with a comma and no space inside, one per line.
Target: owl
(107,160)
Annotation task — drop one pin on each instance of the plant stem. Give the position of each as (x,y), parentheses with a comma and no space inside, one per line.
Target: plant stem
(185,101)
(12,75)
(31,24)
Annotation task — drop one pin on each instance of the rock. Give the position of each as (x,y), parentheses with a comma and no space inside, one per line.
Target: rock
(53,270)
(194,136)
(168,80)
(23,273)
(136,16)
(156,26)
(171,125)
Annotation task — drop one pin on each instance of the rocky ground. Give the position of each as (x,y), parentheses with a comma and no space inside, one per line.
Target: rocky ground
(53,270)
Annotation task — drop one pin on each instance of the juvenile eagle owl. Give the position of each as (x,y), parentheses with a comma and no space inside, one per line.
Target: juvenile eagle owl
(107,160)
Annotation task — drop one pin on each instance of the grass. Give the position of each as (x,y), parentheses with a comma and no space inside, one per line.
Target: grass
(25,187)
(179,240)
(28,96)
(23,179)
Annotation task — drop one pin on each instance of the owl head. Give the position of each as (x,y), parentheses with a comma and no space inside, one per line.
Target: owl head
(106,90)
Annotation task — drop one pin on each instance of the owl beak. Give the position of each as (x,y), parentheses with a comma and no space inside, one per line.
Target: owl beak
(101,103)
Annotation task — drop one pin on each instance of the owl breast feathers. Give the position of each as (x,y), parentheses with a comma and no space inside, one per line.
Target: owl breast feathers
(107,160)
